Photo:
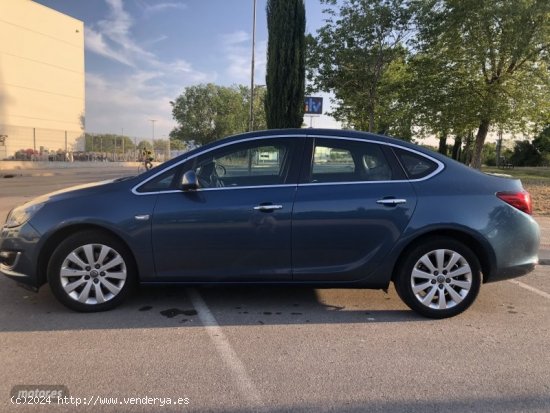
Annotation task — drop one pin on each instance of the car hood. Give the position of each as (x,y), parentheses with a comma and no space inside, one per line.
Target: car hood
(80,190)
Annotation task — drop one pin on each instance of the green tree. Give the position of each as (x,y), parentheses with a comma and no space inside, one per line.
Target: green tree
(499,51)
(542,142)
(144,145)
(205,113)
(525,154)
(535,152)
(440,100)
(177,145)
(160,144)
(360,56)
(285,74)
(394,113)
(489,154)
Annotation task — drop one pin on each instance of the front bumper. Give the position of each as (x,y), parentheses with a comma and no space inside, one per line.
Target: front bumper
(19,255)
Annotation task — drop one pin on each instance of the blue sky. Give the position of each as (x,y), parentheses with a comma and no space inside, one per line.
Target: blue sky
(140,54)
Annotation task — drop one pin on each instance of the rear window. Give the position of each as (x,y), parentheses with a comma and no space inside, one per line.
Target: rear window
(416,166)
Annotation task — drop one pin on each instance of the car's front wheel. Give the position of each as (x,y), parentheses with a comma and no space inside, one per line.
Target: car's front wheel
(439,278)
(91,271)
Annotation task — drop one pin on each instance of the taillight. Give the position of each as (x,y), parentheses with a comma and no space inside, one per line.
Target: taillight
(520,200)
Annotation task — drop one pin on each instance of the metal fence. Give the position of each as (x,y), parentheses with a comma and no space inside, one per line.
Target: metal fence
(41,144)
(19,142)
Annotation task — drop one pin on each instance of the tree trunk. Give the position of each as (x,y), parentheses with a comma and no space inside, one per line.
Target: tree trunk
(456,148)
(480,140)
(467,152)
(443,144)
(371,120)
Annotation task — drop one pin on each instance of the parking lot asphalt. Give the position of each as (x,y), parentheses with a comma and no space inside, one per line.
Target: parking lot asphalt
(274,349)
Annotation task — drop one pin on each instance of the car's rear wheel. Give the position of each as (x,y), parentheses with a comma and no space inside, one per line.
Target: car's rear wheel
(91,271)
(439,278)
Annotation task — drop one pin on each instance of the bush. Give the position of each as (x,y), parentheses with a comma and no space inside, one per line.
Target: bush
(526,154)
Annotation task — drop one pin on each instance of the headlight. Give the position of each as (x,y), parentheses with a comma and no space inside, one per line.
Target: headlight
(20,215)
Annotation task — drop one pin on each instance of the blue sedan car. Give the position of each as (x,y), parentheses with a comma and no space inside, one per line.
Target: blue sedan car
(312,207)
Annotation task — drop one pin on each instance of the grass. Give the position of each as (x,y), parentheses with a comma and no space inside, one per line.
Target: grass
(536,180)
(526,174)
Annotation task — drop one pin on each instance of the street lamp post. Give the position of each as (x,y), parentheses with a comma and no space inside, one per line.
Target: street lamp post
(251,118)
(153,126)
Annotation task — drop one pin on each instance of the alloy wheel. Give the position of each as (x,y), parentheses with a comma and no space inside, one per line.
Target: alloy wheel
(93,274)
(441,279)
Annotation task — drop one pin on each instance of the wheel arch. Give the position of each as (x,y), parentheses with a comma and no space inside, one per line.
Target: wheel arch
(481,249)
(55,239)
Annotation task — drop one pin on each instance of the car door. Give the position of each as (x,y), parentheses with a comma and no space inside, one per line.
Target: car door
(351,206)
(236,226)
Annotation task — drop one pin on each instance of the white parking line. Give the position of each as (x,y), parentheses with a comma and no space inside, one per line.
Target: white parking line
(532,289)
(228,355)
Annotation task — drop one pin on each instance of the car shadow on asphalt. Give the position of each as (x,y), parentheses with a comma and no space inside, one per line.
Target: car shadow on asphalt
(172,306)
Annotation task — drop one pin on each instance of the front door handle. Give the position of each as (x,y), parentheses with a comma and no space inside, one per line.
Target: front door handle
(391,201)
(267,208)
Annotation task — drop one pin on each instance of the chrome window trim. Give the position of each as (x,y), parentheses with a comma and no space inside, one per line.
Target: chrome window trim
(440,165)
(223,188)
(396,181)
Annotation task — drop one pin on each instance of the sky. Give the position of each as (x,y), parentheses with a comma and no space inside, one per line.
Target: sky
(141,54)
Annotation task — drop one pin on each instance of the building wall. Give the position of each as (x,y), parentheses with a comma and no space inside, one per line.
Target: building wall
(42,81)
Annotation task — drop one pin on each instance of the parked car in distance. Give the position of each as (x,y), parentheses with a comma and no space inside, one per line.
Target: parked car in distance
(324,208)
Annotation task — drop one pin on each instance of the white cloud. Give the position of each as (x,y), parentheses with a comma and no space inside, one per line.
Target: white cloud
(160,7)
(95,42)
(181,66)
(128,100)
(116,29)
(156,40)
(235,38)
(112,38)
(237,47)
(116,104)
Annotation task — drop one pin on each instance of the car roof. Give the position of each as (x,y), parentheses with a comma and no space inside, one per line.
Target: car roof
(315,132)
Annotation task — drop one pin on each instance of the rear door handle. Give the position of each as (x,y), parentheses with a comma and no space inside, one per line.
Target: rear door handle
(267,208)
(391,201)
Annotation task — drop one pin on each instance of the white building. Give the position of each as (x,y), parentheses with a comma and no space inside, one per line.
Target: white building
(41,79)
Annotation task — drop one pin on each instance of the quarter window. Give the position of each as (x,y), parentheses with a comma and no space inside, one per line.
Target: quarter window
(416,166)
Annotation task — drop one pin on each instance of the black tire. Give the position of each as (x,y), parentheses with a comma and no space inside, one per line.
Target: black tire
(96,284)
(445,295)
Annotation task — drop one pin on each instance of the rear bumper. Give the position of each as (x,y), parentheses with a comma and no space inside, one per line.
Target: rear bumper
(511,272)
(515,239)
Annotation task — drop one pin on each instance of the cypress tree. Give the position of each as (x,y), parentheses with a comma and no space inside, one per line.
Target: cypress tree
(285,74)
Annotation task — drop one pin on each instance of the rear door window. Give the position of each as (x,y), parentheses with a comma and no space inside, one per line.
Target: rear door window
(340,160)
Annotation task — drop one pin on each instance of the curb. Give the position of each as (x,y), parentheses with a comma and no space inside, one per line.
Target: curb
(19,175)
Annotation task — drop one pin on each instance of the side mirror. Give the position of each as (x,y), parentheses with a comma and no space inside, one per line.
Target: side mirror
(189,181)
